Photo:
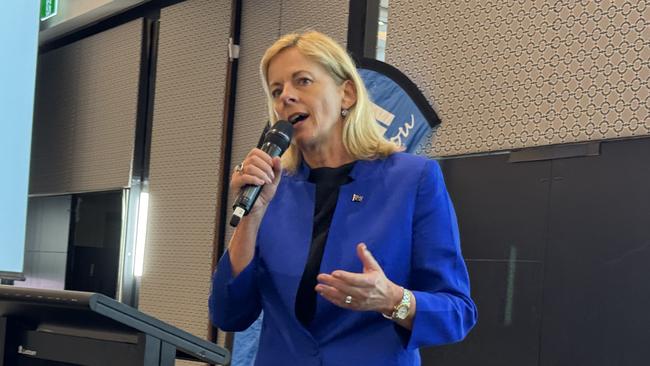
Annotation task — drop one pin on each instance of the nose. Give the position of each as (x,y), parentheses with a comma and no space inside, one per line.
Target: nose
(287,98)
(289,95)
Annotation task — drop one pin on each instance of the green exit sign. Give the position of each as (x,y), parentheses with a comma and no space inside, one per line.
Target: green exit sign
(49,8)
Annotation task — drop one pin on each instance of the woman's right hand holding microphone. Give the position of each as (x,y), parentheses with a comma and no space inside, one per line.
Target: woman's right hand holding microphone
(259,169)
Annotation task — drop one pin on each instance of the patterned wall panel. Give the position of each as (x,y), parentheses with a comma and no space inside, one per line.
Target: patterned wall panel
(185,162)
(275,18)
(85,112)
(329,17)
(510,74)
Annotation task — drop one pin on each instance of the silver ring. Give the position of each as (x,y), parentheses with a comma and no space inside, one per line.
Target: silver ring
(239,168)
(348,299)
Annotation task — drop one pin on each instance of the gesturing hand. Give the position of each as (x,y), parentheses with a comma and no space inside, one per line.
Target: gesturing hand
(367,291)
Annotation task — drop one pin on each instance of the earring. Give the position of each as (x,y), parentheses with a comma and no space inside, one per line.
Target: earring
(344,112)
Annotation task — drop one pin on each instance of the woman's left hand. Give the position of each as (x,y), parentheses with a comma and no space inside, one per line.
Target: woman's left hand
(367,291)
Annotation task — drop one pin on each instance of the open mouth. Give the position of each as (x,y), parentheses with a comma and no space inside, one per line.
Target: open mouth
(298,117)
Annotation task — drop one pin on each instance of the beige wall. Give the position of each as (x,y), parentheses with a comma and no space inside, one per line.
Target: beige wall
(501,75)
(186,138)
(512,74)
(85,113)
(185,162)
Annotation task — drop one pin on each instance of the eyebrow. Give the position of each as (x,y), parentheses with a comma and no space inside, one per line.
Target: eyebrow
(292,76)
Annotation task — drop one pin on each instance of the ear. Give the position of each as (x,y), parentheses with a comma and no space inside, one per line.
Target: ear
(349,94)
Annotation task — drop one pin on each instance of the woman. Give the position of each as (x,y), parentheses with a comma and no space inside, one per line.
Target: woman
(352,247)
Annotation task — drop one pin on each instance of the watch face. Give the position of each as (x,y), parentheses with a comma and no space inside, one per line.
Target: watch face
(402,312)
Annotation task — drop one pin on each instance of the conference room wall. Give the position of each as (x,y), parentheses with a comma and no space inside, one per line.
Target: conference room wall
(184,163)
(85,113)
(87,97)
(514,74)
(186,138)
(185,156)
(471,62)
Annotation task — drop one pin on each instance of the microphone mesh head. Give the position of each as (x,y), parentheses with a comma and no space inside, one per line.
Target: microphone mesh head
(280,134)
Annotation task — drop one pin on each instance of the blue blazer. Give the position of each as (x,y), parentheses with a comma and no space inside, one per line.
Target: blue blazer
(408,223)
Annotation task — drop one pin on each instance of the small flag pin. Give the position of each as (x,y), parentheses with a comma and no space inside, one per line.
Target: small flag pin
(357,198)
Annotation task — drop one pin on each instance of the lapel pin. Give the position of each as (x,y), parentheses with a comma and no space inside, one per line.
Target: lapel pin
(357,198)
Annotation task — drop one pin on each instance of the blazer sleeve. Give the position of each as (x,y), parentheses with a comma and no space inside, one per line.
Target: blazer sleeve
(439,281)
(234,302)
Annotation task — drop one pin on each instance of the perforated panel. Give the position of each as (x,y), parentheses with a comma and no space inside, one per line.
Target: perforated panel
(85,113)
(185,162)
(329,17)
(510,74)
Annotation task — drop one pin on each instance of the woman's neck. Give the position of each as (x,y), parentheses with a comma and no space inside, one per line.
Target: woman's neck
(329,152)
(331,156)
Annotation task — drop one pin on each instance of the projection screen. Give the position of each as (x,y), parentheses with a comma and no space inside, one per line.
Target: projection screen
(19,22)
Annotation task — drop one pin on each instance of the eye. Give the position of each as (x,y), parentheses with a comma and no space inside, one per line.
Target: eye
(304,81)
(275,93)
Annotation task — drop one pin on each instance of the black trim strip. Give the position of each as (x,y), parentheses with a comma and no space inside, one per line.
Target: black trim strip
(226,149)
(363,21)
(356,27)
(130,285)
(146,97)
(229,118)
(69,269)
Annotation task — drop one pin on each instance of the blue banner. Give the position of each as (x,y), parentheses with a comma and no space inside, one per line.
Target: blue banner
(401,110)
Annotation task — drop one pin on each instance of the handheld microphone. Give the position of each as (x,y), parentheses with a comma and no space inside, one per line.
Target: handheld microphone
(276,142)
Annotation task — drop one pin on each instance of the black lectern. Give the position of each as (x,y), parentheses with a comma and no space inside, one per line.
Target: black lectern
(47,327)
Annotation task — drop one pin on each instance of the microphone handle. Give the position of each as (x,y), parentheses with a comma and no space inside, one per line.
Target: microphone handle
(249,193)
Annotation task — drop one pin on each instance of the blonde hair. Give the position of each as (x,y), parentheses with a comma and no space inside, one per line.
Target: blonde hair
(362,137)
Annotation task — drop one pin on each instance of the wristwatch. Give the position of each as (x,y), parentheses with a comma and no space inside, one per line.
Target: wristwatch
(401,310)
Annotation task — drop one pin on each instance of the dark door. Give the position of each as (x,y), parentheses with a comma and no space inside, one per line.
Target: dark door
(94,250)
(597,276)
(502,215)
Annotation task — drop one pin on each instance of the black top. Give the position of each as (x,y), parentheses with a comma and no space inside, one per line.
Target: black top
(328,181)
